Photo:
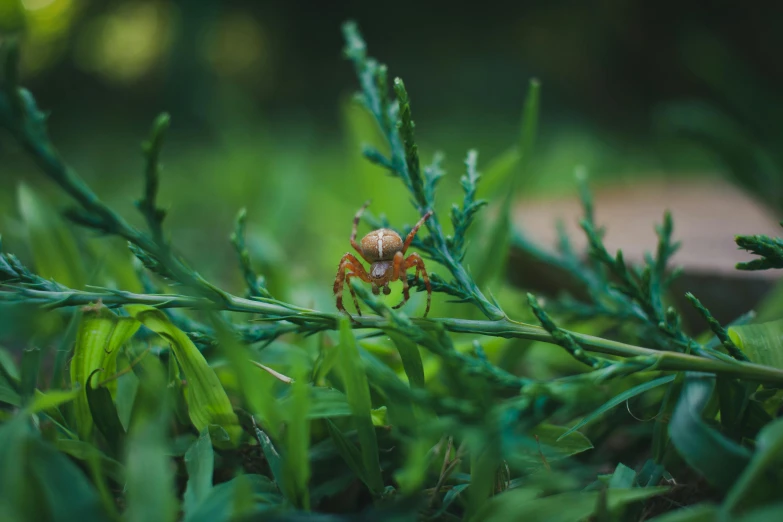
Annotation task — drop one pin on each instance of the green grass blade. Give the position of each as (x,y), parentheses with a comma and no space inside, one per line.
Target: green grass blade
(357,390)
(703,448)
(150,477)
(493,262)
(272,456)
(9,379)
(349,452)
(557,442)
(55,252)
(619,399)
(104,414)
(207,400)
(529,128)
(43,401)
(761,481)
(85,451)
(9,390)
(255,384)
(31,367)
(519,504)
(200,464)
(64,349)
(298,440)
(411,358)
(37,482)
(99,338)
(238,499)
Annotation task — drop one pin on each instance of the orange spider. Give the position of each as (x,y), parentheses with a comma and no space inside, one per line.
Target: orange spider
(385,251)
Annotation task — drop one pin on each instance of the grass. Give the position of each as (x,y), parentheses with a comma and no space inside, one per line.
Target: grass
(147,390)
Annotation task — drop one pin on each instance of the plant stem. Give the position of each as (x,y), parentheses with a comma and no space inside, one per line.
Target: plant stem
(317,320)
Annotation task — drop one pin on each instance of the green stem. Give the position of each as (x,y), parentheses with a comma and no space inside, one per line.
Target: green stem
(506,328)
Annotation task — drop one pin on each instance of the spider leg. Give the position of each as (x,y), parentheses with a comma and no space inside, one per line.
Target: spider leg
(398,272)
(349,267)
(356,219)
(416,260)
(348,278)
(415,229)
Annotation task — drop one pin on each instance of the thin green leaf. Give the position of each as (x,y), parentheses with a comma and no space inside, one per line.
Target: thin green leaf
(84,451)
(357,390)
(706,450)
(256,386)
(411,358)
(150,477)
(349,452)
(9,390)
(39,483)
(529,129)
(55,252)
(298,441)
(8,366)
(557,442)
(43,401)
(200,464)
(619,399)
(516,504)
(206,398)
(257,494)
(104,414)
(31,367)
(449,498)
(272,456)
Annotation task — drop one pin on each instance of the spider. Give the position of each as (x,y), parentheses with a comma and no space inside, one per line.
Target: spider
(385,251)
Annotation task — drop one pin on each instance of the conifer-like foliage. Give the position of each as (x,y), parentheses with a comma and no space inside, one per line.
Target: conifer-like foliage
(181,400)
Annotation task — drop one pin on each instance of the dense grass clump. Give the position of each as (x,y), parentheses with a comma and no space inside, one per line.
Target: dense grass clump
(155,394)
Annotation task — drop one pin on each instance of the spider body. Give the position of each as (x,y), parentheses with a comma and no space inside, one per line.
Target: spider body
(385,250)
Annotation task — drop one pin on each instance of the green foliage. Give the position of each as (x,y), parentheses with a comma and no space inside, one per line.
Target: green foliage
(184,401)
(770,249)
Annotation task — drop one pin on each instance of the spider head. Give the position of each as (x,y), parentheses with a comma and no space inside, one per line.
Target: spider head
(381,245)
(380,274)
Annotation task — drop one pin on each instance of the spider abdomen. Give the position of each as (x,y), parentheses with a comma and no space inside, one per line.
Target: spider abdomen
(381,245)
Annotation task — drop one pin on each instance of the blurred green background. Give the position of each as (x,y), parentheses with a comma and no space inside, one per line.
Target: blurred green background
(260,98)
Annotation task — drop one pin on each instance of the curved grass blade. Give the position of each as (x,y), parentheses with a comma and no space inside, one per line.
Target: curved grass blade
(207,400)
(43,401)
(99,338)
(104,415)
(617,400)
(411,358)
(706,450)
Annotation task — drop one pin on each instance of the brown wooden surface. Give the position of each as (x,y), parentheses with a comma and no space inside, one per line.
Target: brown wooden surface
(707,216)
